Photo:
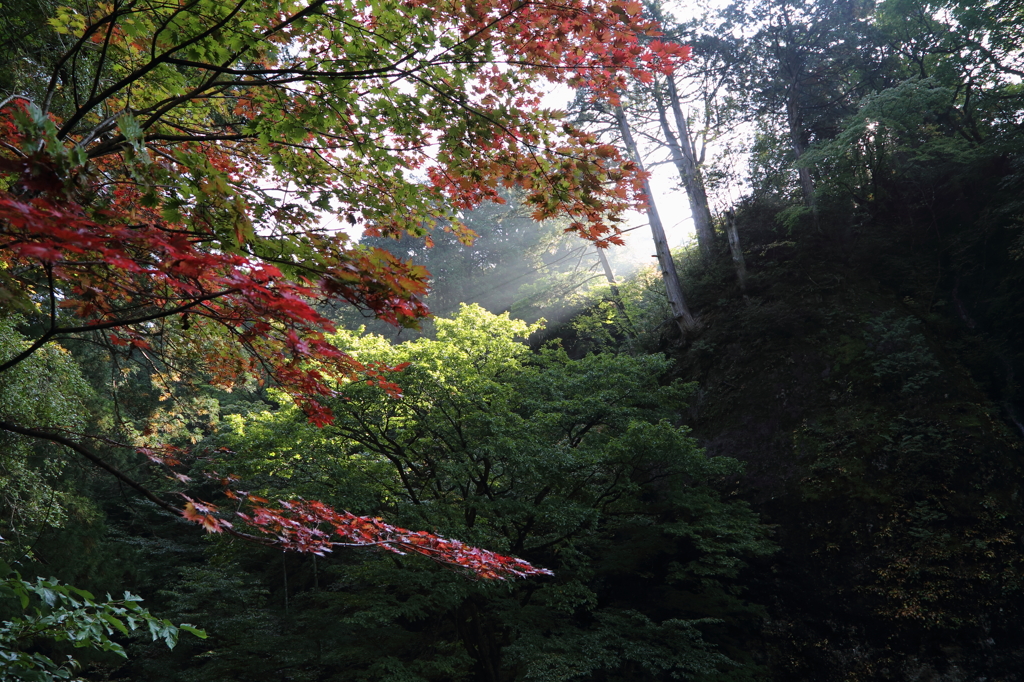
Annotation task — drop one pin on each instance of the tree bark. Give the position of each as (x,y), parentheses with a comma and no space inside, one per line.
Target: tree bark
(736,250)
(614,286)
(677,303)
(796,138)
(685,158)
(607,267)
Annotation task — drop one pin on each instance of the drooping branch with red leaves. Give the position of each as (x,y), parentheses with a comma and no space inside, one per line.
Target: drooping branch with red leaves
(311,527)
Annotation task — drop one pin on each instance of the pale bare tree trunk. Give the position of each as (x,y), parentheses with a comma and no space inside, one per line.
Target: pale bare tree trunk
(614,286)
(608,274)
(736,250)
(680,312)
(685,158)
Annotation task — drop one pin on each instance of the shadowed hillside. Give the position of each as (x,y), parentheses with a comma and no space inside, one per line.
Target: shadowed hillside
(871,394)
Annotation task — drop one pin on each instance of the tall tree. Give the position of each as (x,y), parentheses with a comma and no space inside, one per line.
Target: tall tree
(687,161)
(807,65)
(971,48)
(674,290)
(688,148)
(577,465)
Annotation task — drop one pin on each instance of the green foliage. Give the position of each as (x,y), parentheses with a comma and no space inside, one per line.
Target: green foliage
(46,390)
(972,48)
(55,612)
(634,317)
(770,167)
(900,145)
(232,606)
(22,33)
(578,466)
(897,353)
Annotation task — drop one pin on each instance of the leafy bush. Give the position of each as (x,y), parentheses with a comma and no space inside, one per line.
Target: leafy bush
(898,353)
(62,613)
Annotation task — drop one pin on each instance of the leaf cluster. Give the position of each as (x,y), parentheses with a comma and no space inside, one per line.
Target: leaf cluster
(55,612)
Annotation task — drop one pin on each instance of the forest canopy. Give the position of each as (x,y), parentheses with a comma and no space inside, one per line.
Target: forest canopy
(165,183)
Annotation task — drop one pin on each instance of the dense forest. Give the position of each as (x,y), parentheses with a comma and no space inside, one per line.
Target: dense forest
(322,358)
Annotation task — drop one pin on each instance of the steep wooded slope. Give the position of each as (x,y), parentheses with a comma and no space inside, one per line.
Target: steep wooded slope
(868,383)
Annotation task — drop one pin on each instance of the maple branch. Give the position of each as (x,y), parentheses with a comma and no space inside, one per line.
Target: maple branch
(230,59)
(121,476)
(235,137)
(56,331)
(167,105)
(51,87)
(472,110)
(86,453)
(102,60)
(302,14)
(167,22)
(100,128)
(476,34)
(53,296)
(139,73)
(11,98)
(161,108)
(304,73)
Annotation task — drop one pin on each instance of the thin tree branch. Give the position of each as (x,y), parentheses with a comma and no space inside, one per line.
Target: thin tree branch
(95,459)
(56,331)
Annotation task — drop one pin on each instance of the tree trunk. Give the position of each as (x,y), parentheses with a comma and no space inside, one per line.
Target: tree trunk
(608,274)
(680,312)
(616,296)
(685,158)
(796,138)
(736,250)
(284,574)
